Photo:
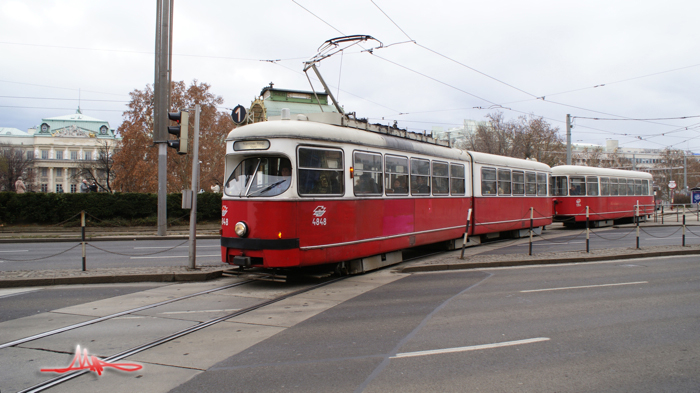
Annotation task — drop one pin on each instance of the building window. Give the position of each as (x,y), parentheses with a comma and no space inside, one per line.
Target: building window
(30,155)
(59,172)
(88,156)
(74,155)
(44,154)
(59,154)
(44,188)
(59,188)
(73,188)
(44,172)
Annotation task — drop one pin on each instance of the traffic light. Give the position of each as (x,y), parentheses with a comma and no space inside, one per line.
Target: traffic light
(180,131)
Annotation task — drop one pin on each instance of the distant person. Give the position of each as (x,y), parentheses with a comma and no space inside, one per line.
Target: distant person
(398,188)
(573,191)
(84,187)
(216,188)
(93,187)
(323,186)
(20,188)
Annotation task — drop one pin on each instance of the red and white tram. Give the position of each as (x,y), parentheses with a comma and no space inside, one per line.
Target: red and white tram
(609,194)
(337,190)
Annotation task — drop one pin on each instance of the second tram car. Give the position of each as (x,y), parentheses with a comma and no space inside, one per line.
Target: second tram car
(336,190)
(609,194)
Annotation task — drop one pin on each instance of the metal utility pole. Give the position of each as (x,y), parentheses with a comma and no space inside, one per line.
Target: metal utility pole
(685,172)
(568,139)
(195,189)
(161,95)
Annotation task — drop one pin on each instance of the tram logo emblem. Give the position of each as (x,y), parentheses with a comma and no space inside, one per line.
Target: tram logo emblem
(319,211)
(578,202)
(83,361)
(224,210)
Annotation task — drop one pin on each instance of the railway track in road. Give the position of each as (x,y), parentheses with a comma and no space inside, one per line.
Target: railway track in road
(132,351)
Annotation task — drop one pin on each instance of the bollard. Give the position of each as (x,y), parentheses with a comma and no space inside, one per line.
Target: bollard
(662,214)
(466,233)
(637,219)
(677,218)
(82,237)
(683,225)
(532,213)
(587,230)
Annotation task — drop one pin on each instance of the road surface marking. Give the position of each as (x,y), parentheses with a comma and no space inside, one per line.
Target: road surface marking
(586,286)
(470,348)
(16,251)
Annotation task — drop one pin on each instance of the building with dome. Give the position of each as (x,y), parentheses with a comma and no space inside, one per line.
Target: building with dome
(62,150)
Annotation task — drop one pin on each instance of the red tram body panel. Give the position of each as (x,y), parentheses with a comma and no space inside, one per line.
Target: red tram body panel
(609,194)
(302,193)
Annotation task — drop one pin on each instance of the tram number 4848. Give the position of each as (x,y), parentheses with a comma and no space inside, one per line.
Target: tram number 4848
(318,221)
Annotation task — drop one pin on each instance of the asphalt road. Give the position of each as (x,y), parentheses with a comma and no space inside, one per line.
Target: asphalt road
(625,326)
(106,254)
(618,326)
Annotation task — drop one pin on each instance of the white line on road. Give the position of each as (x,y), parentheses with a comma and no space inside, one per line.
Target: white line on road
(175,256)
(470,348)
(16,251)
(586,286)
(547,244)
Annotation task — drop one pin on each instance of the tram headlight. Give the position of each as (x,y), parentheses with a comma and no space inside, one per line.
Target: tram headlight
(241,229)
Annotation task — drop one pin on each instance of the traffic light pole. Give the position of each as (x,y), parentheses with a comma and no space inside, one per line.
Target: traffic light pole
(195,188)
(161,96)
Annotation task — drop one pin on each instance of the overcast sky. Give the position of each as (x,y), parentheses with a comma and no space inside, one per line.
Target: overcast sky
(442,61)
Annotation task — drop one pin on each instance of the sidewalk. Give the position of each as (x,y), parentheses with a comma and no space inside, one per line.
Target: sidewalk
(449,261)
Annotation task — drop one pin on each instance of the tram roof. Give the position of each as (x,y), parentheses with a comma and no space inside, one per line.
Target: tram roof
(303,129)
(562,170)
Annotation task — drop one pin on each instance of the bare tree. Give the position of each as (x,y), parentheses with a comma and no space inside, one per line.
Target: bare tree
(101,170)
(526,137)
(15,162)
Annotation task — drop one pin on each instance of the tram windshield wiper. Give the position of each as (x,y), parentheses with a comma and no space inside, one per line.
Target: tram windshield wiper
(268,188)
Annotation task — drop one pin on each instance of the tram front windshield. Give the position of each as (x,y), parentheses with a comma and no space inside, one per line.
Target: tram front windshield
(259,177)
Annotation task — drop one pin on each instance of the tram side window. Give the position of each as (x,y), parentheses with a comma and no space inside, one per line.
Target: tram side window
(541,184)
(518,183)
(558,186)
(622,186)
(420,176)
(638,187)
(604,186)
(645,187)
(488,181)
(320,171)
(592,185)
(441,178)
(630,186)
(531,183)
(613,186)
(457,182)
(396,176)
(578,185)
(504,181)
(368,173)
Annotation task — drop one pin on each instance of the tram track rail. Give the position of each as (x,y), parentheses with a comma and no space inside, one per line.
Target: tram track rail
(115,315)
(202,325)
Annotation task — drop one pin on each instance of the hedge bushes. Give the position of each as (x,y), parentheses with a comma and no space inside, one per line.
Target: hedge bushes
(126,208)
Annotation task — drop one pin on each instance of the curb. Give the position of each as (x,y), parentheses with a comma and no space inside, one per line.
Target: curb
(111,279)
(549,261)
